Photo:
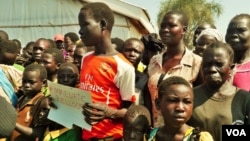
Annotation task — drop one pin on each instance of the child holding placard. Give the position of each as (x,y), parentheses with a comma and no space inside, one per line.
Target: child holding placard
(68,75)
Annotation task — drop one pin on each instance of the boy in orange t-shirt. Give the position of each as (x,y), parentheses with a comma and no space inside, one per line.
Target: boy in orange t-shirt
(105,73)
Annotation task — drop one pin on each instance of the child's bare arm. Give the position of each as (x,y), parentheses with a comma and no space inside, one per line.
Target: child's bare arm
(32,133)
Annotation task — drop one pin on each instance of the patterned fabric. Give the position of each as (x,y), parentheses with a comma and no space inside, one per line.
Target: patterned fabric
(63,134)
(189,135)
(7,89)
(188,68)
(14,76)
(211,32)
(110,81)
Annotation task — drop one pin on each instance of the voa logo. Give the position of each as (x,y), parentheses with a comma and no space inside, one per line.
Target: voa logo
(236,132)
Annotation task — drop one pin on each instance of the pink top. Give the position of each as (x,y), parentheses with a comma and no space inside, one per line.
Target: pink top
(242,76)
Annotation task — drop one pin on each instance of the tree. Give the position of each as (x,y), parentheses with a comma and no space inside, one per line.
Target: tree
(198,11)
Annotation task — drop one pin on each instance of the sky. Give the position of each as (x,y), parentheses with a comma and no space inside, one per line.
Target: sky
(230,9)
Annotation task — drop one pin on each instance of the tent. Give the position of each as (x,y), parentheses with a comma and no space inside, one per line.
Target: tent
(28,20)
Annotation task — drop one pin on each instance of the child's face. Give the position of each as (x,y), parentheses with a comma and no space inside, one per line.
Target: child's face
(135,128)
(67,42)
(27,53)
(60,44)
(90,29)
(171,29)
(48,61)
(133,51)
(238,34)
(176,105)
(78,54)
(70,50)
(67,76)
(216,66)
(69,53)
(203,42)
(31,83)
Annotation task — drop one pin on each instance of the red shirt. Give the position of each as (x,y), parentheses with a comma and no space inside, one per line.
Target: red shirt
(110,79)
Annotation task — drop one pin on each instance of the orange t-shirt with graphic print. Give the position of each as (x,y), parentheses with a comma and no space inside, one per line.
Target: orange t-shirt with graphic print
(110,79)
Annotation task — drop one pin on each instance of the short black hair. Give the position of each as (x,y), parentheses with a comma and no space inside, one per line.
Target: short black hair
(69,64)
(165,84)
(183,20)
(4,35)
(118,42)
(39,68)
(206,24)
(137,110)
(29,44)
(73,36)
(133,39)
(222,45)
(240,16)
(18,43)
(56,53)
(81,45)
(8,46)
(99,11)
(45,41)
(52,43)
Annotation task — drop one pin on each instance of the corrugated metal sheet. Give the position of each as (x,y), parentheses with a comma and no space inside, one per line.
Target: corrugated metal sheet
(28,20)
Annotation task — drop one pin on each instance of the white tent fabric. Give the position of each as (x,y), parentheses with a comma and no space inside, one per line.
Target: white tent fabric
(28,20)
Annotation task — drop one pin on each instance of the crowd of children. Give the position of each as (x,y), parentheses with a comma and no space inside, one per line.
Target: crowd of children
(145,89)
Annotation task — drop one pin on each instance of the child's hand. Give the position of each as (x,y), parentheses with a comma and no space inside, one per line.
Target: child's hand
(42,117)
(93,113)
(51,103)
(96,112)
(69,59)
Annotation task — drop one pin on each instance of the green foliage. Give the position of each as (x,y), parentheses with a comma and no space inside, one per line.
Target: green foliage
(198,11)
